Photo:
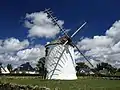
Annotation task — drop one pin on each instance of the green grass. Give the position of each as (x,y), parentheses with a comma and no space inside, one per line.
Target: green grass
(86,83)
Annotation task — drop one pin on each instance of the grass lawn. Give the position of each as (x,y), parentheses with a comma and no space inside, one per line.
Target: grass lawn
(81,83)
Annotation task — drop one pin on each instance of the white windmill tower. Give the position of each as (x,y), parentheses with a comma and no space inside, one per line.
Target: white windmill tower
(60,56)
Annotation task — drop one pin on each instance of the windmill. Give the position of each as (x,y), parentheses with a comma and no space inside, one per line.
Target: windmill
(60,56)
(3,70)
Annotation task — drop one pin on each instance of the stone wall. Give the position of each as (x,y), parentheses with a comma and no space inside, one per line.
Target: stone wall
(9,86)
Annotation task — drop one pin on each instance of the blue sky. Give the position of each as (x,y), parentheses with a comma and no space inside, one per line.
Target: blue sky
(100,15)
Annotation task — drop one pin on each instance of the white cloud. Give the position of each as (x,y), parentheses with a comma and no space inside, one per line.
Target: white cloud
(8,49)
(33,53)
(12,44)
(17,58)
(7,58)
(41,26)
(103,48)
(114,31)
(99,41)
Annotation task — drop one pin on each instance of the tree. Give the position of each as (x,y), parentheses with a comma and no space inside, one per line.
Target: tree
(41,67)
(107,66)
(0,67)
(81,65)
(118,70)
(40,64)
(9,67)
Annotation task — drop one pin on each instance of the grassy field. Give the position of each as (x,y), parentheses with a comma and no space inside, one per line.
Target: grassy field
(86,83)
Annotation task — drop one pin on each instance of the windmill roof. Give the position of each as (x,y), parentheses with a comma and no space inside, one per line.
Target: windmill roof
(61,40)
(54,42)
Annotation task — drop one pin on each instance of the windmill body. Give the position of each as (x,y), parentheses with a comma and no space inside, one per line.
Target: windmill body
(60,62)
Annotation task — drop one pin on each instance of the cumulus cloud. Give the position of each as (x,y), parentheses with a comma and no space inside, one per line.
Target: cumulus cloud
(32,54)
(8,49)
(99,41)
(16,52)
(41,26)
(7,58)
(103,48)
(114,31)
(12,44)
